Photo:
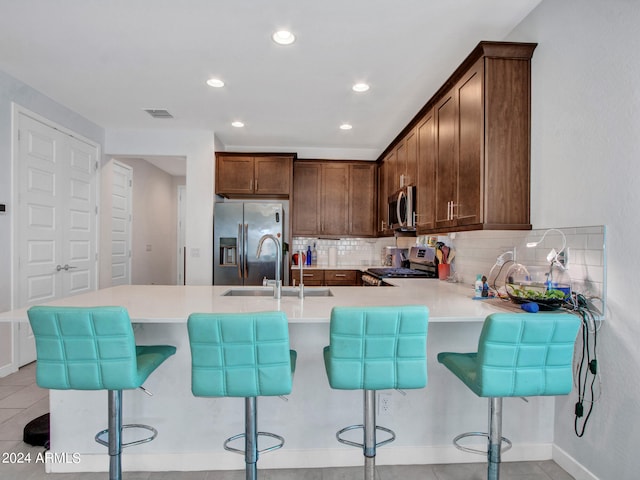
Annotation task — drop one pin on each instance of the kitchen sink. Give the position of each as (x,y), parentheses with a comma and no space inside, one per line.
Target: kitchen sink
(286,292)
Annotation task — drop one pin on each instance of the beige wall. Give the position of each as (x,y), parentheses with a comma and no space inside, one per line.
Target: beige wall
(154,230)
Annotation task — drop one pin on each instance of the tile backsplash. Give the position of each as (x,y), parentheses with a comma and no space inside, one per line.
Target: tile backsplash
(476,253)
(350,251)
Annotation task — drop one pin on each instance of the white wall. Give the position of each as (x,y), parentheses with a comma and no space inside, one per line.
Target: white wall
(198,147)
(585,171)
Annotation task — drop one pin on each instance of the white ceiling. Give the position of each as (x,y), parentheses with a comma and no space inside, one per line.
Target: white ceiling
(109,60)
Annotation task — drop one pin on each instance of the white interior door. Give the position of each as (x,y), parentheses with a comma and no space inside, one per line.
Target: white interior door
(121,218)
(56,224)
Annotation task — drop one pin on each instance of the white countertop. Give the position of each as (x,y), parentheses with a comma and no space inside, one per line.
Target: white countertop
(447,302)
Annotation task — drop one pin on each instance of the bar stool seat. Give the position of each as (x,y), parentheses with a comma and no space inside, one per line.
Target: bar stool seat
(376,348)
(94,349)
(519,355)
(242,355)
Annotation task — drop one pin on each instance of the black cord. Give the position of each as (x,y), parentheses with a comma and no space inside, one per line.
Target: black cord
(581,309)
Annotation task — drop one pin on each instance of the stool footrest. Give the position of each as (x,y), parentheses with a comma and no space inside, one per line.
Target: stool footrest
(361,445)
(456,442)
(102,441)
(263,434)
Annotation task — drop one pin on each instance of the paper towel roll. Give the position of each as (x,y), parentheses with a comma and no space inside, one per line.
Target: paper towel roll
(333,256)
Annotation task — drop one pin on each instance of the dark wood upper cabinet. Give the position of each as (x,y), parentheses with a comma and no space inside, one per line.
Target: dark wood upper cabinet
(446,160)
(244,175)
(307,198)
(426,172)
(334,198)
(362,200)
(473,144)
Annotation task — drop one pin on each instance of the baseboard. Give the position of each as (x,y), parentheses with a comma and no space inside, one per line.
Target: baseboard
(8,369)
(218,459)
(571,465)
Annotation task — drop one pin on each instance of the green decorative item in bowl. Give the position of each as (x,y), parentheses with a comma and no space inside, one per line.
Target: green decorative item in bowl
(534,284)
(547,299)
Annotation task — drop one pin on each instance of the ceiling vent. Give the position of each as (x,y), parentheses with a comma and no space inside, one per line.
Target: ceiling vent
(156,113)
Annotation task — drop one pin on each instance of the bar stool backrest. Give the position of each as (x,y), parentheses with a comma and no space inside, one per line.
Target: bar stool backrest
(526,354)
(240,354)
(377,348)
(84,348)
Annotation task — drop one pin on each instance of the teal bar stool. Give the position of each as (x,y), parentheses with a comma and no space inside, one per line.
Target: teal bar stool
(94,349)
(519,355)
(242,355)
(376,348)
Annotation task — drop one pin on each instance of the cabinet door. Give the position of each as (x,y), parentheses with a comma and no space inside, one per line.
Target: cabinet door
(234,175)
(362,202)
(272,175)
(382,199)
(393,180)
(426,179)
(411,158)
(307,198)
(401,162)
(446,159)
(335,199)
(470,151)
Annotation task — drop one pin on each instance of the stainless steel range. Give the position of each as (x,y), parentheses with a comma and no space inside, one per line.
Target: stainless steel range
(422,263)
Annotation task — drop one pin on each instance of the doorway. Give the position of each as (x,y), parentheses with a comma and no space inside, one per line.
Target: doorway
(56,218)
(153,251)
(121,219)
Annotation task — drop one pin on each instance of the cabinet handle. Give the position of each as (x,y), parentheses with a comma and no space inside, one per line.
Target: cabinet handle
(340,275)
(307,275)
(256,189)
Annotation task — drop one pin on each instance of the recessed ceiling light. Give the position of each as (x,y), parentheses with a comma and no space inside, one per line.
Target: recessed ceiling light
(283,37)
(346,126)
(215,82)
(360,87)
(237,124)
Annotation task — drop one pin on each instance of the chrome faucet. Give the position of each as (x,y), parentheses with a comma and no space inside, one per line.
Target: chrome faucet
(277,288)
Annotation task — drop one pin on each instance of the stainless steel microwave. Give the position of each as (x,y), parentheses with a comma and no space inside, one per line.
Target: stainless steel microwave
(402,209)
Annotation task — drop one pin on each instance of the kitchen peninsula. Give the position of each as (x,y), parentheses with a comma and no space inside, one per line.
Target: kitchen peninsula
(192,430)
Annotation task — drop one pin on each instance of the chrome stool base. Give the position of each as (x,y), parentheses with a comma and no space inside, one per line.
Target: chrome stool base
(369,430)
(362,445)
(250,435)
(494,437)
(259,434)
(99,438)
(114,441)
(456,442)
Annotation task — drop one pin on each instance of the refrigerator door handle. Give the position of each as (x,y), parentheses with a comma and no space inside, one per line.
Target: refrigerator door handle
(240,250)
(246,249)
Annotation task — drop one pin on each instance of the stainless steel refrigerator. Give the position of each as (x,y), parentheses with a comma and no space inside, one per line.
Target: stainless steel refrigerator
(237,229)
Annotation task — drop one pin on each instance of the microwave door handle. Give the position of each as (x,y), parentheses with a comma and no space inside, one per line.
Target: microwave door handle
(398,204)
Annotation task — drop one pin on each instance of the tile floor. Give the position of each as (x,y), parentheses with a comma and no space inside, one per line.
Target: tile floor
(21,400)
